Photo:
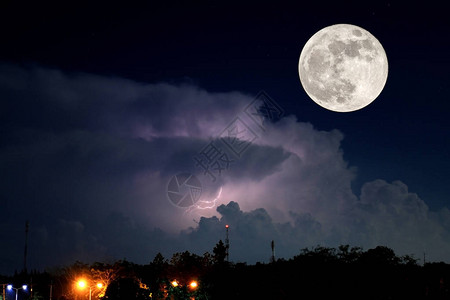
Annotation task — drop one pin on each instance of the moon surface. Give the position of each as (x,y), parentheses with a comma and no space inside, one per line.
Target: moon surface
(343,67)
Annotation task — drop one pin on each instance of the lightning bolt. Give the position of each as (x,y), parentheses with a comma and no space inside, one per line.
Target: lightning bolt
(205,204)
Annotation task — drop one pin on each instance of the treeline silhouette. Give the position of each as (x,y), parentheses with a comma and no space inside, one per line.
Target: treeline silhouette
(315,273)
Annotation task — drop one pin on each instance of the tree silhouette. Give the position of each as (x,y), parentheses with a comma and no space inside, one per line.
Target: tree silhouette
(315,273)
(219,253)
(126,289)
(380,256)
(349,255)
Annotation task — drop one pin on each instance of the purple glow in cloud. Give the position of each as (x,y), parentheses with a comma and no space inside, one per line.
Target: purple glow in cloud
(96,154)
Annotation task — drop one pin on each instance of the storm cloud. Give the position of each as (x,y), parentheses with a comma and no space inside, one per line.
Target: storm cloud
(87,158)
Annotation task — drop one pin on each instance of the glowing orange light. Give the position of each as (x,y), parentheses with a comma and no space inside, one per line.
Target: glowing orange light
(174,283)
(99,285)
(226,226)
(193,284)
(81,284)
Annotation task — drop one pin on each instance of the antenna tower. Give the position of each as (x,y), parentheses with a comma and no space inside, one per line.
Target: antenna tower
(227,244)
(272,258)
(27,225)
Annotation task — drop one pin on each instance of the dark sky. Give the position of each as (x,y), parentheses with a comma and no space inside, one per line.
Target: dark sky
(102,104)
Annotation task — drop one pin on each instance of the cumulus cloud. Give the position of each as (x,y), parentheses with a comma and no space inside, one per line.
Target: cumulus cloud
(388,213)
(50,99)
(87,159)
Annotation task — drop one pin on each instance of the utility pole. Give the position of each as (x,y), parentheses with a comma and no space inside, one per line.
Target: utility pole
(27,225)
(272,258)
(4,292)
(227,244)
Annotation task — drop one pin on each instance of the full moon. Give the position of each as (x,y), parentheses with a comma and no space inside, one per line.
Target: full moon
(343,67)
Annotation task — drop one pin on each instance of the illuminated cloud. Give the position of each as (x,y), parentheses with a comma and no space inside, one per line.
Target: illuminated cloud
(90,157)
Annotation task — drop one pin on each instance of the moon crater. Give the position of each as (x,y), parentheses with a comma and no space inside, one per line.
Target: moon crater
(343,68)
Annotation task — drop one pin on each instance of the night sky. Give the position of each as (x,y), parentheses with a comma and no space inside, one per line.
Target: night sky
(102,104)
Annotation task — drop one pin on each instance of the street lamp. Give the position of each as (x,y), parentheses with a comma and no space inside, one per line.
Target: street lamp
(10,287)
(193,285)
(183,289)
(82,284)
